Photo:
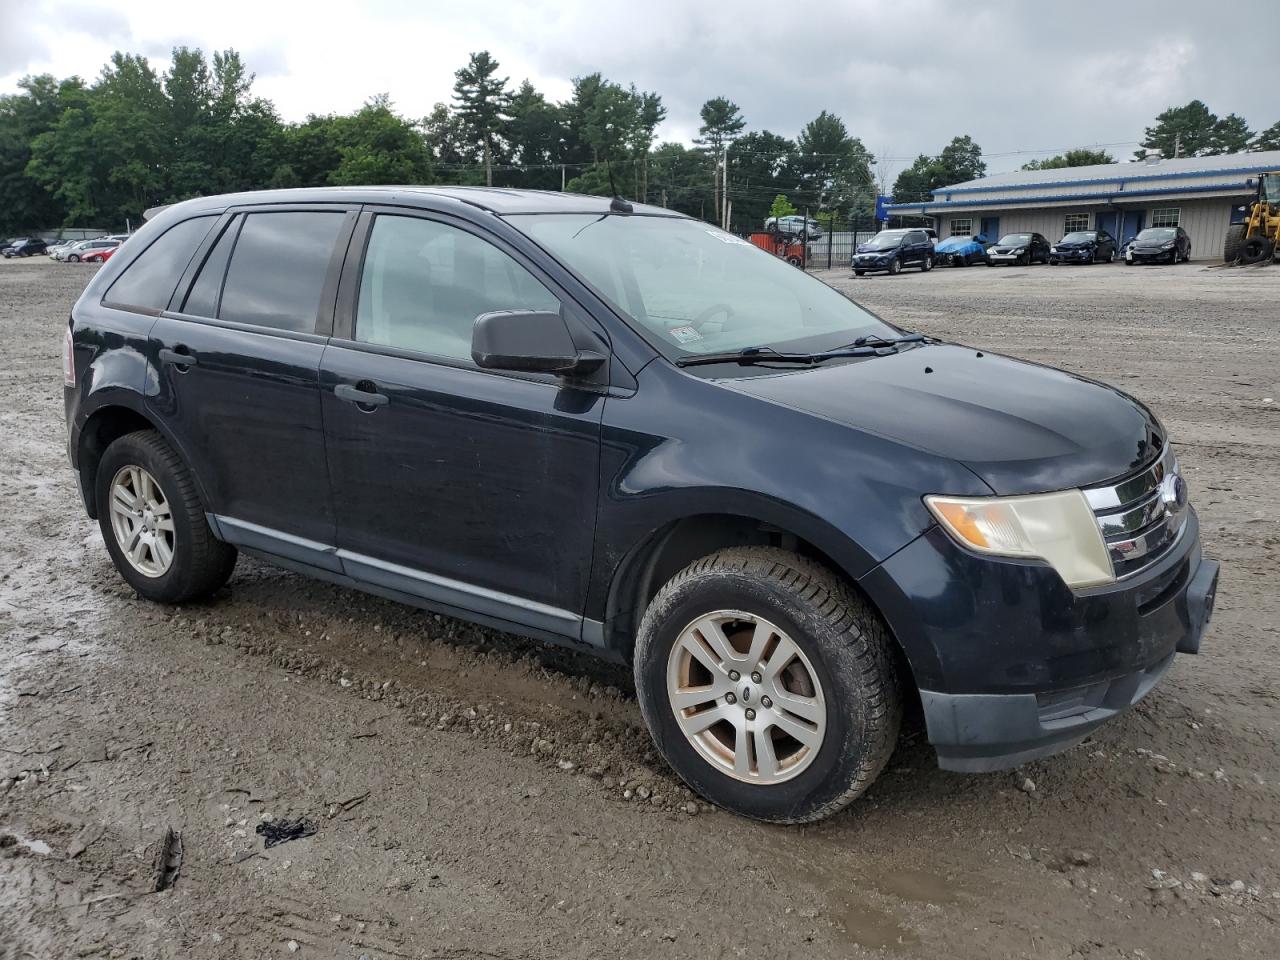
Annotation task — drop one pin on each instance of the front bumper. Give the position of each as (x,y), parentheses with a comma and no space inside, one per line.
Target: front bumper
(1070,256)
(1005,257)
(1140,256)
(1013,665)
(871,263)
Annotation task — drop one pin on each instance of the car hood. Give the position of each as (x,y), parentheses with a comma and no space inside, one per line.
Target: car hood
(1149,244)
(865,248)
(1021,427)
(1006,248)
(954,246)
(1075,244)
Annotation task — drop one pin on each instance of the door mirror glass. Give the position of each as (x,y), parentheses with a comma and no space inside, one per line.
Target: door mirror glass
(529,341)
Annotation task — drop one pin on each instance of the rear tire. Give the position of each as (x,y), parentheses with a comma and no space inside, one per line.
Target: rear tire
(748,602)
(197,562)
(74,258)
(926,265)
(859,273)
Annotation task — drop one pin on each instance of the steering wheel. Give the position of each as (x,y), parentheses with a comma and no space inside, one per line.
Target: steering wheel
(704,316)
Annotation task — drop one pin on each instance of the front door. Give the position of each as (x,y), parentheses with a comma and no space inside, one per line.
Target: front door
(470,488)
(237,367)
(1108,222)
(1131,225)
(991,229)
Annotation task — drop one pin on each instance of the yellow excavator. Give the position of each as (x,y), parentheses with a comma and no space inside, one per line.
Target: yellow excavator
(1258,238)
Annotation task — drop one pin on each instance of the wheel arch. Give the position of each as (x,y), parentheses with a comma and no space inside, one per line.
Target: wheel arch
(101,428)
(663,552)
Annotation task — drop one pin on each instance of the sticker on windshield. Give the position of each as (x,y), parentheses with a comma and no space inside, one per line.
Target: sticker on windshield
(727,238)
(685,334)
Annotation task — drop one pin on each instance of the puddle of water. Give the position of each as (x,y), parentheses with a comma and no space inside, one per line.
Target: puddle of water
(34,845)
(870,927)
(917,886)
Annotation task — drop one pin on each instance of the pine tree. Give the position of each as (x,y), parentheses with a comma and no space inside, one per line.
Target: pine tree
(483,102)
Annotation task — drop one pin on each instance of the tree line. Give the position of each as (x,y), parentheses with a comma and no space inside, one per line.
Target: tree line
(76,153)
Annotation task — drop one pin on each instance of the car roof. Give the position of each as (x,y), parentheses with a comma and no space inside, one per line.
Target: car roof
(498,200)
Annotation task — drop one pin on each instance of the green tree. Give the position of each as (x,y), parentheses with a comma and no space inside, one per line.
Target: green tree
(678,180)
(375,145)
(782,207)
(761,164)
(1268,139)
(25,203)
(914,184)
(1082,157)
(483,102)
(534,133)
(960,161)
(456,158)
(1186,131)
(1231,134)
(722,122)
(833,168)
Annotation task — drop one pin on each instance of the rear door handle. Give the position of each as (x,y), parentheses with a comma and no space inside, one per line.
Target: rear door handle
(180,357)
(363,394)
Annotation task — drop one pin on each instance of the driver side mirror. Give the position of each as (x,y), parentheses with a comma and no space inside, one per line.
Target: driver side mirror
(529,341)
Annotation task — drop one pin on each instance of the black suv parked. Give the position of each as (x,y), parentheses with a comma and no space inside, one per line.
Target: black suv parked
(623,429)
(891,250)
(25,247)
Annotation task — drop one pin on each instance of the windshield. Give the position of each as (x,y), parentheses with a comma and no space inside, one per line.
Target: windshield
(1158,233)
(695,289)
(885,240)
(1015,239)
(1079,236)
(1269,188)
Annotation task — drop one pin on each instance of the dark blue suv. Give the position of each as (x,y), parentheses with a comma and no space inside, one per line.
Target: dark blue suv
(610,426)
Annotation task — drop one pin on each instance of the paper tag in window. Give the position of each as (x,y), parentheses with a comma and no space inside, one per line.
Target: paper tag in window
(685,334)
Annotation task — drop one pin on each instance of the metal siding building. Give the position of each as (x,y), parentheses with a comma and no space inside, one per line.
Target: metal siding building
(1198,194)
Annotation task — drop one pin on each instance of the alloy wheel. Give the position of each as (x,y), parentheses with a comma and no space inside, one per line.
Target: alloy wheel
(746,697)
(142,521)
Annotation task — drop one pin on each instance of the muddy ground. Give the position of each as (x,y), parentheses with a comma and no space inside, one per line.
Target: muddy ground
(477,796)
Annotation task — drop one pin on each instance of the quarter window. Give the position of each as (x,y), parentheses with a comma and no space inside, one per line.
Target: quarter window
(276,275)
(1075,221)
(961,228)
(202,300)
(1165,216)
(148,282)
(424,283)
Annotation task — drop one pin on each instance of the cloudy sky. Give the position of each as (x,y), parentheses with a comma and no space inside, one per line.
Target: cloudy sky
(1023,78)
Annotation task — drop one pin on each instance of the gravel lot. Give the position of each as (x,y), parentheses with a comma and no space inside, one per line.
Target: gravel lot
(479,796)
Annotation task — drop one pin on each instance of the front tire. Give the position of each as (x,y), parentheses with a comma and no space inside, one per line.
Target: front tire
(895,267)
(154,524)
(768,684)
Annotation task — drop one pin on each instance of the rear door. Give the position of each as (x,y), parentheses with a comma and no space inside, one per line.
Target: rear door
(237,363)
(474,489)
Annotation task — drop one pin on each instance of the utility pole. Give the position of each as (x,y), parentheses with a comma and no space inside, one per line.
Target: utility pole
(1177,145)
(562,178)
(724,182)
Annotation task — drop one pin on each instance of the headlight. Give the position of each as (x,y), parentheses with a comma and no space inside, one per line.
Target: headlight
(1168,246)
(1058,528)
(1019,251)
(1053,249)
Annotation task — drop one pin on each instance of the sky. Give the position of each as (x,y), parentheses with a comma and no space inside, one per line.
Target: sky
(1025,79)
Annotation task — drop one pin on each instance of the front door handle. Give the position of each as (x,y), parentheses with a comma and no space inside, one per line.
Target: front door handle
(363,394)
(180,357)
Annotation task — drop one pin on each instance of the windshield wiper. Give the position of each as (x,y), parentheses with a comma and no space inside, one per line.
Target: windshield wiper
(890,342)
(755,355)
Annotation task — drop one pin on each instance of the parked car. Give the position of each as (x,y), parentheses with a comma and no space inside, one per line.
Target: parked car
(1019,248)
(962,251)
(85,249)
(891,250)
(1168,244)
(541,412)
(100,256)
(794,227)
(54,246)
(1084,246)
(24,247)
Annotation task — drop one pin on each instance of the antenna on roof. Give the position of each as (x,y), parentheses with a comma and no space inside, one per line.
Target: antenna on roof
(617,204)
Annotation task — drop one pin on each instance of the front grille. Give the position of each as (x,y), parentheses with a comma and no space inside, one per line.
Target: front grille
(1141,516)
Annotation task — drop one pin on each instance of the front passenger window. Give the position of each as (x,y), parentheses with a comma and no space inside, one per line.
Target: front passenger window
(424,283)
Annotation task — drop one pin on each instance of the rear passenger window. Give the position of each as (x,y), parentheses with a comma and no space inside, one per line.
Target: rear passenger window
(202,300)
(148,282)
(276,276)
(424,283)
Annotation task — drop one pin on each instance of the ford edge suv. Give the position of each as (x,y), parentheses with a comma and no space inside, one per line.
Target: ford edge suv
(618,428)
